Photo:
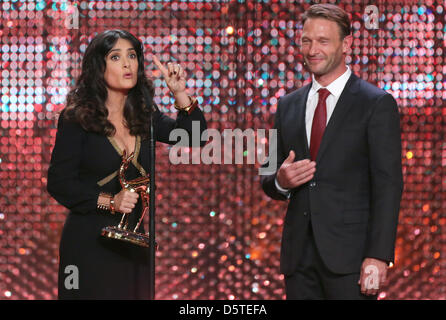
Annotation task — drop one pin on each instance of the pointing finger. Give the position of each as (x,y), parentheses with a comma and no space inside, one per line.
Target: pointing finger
(160,66)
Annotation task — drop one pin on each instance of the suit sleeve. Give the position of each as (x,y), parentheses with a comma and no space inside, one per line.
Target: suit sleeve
(384,140)
(64,183)
(268,180)
(164,125)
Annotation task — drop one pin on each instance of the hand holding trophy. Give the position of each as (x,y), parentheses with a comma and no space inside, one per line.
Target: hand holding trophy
(141,186)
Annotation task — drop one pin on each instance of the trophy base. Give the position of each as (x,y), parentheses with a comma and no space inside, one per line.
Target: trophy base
(128,236)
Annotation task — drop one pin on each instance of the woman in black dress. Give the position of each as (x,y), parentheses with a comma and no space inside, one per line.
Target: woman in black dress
(105,115)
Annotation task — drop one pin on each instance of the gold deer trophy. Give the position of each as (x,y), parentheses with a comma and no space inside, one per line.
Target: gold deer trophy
(140,185)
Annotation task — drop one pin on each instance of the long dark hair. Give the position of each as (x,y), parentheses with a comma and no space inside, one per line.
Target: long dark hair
(85,102)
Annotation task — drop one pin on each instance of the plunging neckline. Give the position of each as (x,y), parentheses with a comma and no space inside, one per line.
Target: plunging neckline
(135,152)
(118,148)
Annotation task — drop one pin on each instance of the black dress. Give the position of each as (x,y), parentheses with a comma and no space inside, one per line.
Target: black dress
(83,164)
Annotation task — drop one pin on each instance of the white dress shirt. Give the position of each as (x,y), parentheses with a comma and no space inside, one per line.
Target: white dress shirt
(336,87)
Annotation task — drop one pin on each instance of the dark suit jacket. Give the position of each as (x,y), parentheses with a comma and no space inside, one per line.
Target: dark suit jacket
(353,200)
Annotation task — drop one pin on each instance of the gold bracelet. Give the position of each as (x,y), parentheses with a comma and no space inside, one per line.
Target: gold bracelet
(191,107)
(104,206)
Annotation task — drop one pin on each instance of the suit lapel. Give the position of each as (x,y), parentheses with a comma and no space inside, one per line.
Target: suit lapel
(298,123)
(344,103)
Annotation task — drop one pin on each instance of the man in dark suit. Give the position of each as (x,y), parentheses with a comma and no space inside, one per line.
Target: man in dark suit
(339,160)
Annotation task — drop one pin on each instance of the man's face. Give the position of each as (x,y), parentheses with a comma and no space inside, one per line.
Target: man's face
(322,46)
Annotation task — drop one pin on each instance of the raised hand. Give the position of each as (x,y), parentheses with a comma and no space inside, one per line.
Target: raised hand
(174,75)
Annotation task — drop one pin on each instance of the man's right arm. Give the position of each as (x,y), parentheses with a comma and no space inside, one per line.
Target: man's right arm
(291,174)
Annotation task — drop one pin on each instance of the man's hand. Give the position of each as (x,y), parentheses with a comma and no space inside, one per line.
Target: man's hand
(373,276)
(293,174)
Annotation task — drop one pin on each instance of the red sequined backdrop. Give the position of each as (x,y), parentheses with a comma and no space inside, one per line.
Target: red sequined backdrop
(219,234)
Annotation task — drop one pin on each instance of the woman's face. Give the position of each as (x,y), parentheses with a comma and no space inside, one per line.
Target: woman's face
(121,70)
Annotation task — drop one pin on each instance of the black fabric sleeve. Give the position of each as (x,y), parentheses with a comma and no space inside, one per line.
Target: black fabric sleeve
(164,125)
(64,183)
(384,139)
(268,181)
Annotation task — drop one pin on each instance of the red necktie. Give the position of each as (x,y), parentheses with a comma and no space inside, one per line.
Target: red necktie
(319,123)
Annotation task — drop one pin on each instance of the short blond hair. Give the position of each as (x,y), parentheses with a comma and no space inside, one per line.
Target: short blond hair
(330,12)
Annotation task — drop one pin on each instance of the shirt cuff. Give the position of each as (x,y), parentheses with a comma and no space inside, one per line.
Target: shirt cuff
(285,192)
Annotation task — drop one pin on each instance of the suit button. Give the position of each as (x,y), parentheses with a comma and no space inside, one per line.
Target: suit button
(312,184)
(305,213)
